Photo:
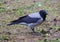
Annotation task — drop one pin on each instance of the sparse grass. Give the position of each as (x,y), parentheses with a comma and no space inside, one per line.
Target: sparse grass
(8,13)
(2,9)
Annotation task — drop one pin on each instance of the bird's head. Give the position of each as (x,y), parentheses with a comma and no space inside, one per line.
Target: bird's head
(43,14)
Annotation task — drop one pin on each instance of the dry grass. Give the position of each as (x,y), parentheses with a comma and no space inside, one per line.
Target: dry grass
(12,9)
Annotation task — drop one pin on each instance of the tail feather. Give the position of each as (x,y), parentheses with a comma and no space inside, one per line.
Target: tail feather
(19,20)
(13,22)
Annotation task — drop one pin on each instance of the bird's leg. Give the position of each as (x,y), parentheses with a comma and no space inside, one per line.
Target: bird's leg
(33,29)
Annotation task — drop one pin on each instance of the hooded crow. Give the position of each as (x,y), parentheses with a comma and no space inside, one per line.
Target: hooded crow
(31,20)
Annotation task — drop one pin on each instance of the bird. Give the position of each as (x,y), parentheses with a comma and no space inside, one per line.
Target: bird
(31,20)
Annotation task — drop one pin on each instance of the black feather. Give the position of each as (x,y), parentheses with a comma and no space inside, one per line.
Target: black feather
(16,21)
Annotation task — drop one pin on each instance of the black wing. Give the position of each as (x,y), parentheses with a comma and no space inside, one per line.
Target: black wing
(29,20)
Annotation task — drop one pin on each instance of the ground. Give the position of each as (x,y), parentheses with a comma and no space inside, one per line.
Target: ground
(13,9)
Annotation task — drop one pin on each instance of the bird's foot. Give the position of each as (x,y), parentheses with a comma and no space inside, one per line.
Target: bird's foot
(33,30)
